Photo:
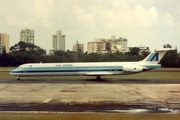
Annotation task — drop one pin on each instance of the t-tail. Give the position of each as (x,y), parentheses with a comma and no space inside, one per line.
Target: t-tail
(156,56)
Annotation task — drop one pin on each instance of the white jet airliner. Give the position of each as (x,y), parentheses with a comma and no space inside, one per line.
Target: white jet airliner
(97,69)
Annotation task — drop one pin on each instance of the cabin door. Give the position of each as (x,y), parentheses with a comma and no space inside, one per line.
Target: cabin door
(116,68)
(25,69)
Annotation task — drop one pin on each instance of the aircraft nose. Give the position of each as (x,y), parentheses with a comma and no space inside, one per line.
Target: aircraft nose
(12,72)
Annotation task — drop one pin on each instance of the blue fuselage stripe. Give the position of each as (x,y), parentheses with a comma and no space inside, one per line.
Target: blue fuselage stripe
(70,70)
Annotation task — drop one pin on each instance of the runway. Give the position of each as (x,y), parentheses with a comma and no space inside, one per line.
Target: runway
(114,92)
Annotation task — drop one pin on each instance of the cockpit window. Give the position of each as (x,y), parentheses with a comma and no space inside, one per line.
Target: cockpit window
(19,67)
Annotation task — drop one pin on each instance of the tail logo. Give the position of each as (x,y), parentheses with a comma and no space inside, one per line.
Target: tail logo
(153,57)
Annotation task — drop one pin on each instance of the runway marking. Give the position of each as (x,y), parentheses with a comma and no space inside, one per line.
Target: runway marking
(174,91)
(3,88)
(47,100)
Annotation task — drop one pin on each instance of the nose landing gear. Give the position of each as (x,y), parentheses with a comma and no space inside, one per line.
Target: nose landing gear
(18,78)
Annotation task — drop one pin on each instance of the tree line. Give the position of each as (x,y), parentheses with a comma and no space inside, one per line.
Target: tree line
(29,53)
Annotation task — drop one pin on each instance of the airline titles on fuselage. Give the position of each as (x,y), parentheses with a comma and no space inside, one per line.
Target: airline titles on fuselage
(64,65)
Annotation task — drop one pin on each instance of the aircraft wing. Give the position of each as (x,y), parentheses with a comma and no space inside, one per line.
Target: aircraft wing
(97,73)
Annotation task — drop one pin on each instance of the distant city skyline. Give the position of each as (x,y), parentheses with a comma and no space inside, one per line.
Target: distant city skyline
(151,23)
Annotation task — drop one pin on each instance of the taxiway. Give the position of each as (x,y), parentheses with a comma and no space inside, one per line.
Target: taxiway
(86,91)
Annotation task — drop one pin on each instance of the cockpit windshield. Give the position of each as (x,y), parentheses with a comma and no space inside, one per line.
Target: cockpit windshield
(21,66)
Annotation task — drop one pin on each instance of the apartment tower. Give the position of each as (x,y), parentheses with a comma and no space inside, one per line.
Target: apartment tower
(27,36)
(4,42)
(58,41)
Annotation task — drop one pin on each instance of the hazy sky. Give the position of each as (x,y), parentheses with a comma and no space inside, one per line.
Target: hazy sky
(148,22)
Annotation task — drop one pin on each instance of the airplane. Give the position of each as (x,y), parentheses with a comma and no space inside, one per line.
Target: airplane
(97,69)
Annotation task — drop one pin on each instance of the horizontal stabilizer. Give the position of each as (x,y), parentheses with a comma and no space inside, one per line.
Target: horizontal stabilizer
(163,49)
(157,55)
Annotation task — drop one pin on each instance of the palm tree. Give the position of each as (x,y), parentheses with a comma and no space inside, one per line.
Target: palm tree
(108,47)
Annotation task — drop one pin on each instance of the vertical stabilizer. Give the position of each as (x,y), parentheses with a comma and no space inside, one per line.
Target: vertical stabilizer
(157,55)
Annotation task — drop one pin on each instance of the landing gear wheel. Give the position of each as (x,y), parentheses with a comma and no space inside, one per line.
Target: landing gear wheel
(98,78)
(18,78)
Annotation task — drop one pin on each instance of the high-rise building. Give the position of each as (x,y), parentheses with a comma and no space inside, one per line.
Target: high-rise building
(100,45)
(78,47)
(4,41)
(58,41)
(2,48)
(27,36)
(119,43)
(97,47)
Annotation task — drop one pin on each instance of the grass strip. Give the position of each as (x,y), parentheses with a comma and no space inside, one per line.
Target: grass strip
(87,116)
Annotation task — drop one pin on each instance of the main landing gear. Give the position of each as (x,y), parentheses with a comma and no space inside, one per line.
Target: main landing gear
(98,77)
(18,78)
